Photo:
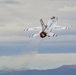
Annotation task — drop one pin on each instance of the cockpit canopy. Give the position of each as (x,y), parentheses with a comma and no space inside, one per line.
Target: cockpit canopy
(53,17)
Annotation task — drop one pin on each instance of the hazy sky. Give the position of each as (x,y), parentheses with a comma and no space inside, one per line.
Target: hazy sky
(16,46)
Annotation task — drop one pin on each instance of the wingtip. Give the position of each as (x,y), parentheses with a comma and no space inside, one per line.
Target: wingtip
(25,29)
(68,27)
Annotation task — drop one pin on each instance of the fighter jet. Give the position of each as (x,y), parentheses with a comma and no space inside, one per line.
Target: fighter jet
(45,30)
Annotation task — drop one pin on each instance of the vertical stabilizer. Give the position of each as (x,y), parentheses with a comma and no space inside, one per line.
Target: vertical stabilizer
(42,24)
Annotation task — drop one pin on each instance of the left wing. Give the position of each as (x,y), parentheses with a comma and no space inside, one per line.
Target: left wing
(60,28)
(33,29)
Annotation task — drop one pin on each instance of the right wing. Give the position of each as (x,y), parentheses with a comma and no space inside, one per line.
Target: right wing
(33,29)
(60,28)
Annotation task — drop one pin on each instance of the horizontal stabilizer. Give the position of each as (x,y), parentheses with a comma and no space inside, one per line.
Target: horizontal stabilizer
(35,35)
(52,34)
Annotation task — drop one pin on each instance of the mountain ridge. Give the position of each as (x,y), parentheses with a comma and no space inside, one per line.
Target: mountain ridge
(63,70)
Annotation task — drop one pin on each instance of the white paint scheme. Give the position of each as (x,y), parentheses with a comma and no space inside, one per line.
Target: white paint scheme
(47,28)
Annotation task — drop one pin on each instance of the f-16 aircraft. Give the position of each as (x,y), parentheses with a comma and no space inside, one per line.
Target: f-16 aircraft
(45,30)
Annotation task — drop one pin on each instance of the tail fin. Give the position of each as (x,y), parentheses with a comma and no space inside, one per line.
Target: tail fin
(42,24)
(41,21)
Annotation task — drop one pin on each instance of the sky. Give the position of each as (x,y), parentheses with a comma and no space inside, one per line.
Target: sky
(17,49)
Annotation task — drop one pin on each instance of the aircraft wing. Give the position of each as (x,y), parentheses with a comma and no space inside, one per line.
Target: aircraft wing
(52,34)
(33,29)
(60,28)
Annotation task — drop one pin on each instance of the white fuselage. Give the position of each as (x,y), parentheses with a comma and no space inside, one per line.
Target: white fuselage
(50,26)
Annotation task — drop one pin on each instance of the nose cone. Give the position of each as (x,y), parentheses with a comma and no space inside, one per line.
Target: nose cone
(53,17)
